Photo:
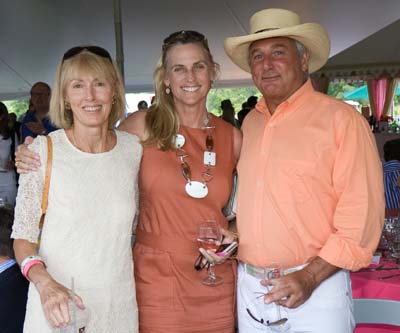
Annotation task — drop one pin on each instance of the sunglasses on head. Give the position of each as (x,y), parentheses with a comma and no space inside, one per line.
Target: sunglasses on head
(97,50)
(183,36)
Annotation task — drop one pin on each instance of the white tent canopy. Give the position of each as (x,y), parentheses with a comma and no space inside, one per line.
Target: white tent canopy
(373,56)
(34,34)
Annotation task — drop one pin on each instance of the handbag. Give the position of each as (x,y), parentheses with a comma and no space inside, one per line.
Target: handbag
(45,196)
(229,210)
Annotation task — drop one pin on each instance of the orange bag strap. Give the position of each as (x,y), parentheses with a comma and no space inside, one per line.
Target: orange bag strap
(45,197)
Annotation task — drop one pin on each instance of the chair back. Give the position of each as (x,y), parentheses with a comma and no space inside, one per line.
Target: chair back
(376,311)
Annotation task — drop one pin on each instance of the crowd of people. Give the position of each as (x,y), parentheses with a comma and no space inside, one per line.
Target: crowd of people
(310,192)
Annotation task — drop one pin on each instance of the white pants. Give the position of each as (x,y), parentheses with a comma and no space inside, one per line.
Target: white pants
(328,310)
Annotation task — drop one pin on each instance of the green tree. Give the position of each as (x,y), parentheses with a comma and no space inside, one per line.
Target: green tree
(18,106)
(237,96)
(337,89)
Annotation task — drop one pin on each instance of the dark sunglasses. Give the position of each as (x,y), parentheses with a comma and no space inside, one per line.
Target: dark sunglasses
(183,36)
(97,50)
(267,322)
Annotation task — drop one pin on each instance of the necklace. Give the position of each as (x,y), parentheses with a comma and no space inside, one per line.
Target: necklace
(79,145)
(197,189)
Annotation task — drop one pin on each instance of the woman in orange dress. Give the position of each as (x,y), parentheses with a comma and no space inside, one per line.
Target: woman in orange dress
(170,294)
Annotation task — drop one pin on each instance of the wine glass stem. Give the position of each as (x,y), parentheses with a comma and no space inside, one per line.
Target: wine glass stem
(277,308)
(211,274)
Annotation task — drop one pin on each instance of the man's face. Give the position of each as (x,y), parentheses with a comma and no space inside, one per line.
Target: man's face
(40,97)
(277,68)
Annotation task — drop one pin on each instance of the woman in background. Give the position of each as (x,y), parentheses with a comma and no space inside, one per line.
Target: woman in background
(8,142)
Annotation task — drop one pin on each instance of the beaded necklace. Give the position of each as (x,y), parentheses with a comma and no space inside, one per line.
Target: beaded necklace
(197,189)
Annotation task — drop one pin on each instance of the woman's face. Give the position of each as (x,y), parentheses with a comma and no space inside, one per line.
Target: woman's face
(188,74)
(90,98)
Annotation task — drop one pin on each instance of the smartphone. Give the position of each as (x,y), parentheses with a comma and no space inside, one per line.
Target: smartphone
(228,250)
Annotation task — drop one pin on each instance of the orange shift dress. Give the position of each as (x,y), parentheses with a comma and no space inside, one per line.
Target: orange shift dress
(170,295)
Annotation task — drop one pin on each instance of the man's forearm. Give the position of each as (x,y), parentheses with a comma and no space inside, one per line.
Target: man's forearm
(321,269)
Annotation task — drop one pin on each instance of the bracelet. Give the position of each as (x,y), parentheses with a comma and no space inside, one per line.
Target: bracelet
(29,259)
(29,265)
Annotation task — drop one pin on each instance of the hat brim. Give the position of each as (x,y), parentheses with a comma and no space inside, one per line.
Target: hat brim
(312,35)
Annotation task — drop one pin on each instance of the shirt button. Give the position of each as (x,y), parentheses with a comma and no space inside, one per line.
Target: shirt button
(259,183)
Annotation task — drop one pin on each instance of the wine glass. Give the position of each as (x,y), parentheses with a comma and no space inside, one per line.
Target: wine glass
(209,238)
(273,310)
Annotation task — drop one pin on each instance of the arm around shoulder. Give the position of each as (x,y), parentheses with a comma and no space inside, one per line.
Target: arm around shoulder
(237,142)
(135,124)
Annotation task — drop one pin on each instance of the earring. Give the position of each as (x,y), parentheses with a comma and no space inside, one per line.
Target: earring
(168,90)
(114,100)
(67,106)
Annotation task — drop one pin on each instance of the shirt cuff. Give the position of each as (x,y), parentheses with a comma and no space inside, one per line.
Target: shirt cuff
(344,254)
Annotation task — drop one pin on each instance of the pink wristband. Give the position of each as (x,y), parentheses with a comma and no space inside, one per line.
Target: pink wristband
(29,265)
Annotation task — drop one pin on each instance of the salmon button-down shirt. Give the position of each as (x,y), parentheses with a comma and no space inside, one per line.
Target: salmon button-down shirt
(310,184)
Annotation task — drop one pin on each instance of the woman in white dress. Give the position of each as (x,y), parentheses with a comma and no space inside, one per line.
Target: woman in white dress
(91,207)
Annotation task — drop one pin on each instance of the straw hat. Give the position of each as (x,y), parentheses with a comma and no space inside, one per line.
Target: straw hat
(275,22)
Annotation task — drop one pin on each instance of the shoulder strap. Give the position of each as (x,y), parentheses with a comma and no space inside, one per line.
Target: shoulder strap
(45,196)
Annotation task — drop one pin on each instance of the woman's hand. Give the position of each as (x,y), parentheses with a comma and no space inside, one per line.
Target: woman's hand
(54,297)
(26,160)
(228,238)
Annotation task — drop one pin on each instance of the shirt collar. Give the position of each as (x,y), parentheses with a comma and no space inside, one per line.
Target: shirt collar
(7,264)
(298,97)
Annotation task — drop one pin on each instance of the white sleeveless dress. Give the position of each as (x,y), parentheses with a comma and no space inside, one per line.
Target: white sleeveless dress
(87,231)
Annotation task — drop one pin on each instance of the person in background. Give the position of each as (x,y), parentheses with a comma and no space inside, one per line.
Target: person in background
(310,200)
(243,113)
(391,176)
(36,121)
(246,108)
(142,106)
(91,203)
(228,112)
(251,102)
(14,125)
(13,286)
(181,185)
(8,142)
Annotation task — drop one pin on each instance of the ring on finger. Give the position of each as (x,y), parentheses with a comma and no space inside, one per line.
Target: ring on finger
(17,163)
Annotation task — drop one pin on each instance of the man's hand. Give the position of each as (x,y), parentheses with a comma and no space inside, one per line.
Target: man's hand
(294,289)
(290,290)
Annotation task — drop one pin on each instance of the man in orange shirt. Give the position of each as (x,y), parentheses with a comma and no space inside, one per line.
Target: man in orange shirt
(310,200)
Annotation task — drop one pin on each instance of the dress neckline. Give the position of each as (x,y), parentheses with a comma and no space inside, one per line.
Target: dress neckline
(91,154)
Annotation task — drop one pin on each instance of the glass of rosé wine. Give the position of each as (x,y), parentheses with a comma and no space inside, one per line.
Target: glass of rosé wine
(209,238)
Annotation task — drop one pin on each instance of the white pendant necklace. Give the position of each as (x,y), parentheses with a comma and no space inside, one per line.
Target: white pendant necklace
(197,189)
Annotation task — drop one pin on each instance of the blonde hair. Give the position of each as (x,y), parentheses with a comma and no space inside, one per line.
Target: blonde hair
(85,62)
(162,122)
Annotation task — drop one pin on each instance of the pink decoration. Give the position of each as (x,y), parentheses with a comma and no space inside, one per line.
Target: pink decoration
(379,91)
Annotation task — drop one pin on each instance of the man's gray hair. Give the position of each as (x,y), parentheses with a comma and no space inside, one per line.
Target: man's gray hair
(301,49)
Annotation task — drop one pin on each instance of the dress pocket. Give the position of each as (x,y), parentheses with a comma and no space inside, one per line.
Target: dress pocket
(153,276)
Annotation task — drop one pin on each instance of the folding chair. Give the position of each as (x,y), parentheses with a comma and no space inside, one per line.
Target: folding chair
(376,311)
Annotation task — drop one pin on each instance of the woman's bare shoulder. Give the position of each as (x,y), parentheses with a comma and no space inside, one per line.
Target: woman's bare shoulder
(135,124)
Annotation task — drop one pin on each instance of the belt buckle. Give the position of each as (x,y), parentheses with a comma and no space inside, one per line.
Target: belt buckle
(260,273)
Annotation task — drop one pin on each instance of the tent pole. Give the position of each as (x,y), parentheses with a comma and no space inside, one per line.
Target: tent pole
(119,47)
